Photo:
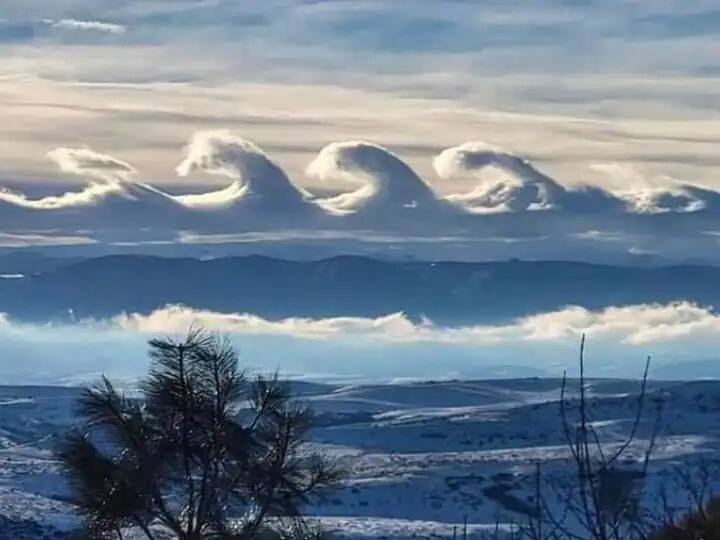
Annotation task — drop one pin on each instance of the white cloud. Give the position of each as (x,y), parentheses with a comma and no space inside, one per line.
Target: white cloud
(91,195)
(633,325)
(386,204)
(73,24)
(662,200)
(385,182)
(374,348)
(507,182)
(256,178)
(21,240)
(603,236)
(655,195)
(110,182)
(87,163)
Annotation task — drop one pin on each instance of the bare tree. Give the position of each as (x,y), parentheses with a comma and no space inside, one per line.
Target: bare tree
(186,458)
(602,501)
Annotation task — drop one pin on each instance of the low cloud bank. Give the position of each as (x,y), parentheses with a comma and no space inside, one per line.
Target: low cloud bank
(347,348)
(631,325)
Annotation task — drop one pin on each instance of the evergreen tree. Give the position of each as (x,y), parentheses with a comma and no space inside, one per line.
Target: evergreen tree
(203,452)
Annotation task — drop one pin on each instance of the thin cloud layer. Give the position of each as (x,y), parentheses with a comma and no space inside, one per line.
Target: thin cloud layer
(98,26)
(35,240)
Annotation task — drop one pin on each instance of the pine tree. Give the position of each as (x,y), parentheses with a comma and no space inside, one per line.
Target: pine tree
(202,452)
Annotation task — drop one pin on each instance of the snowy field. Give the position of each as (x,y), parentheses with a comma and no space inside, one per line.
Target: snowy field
(421,457)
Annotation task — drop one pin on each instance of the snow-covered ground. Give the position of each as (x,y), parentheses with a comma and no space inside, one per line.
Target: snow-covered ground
(421,457)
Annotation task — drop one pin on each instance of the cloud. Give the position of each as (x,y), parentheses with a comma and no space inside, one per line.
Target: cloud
(22,240)
(110,185)
(648,98)
(510,183)
(73,24)
(257,180)
(89,196)
(106,174)
(662,200)
(386,207)
(87,163)
(632,325)
(176,318)
(385,182)
(374,348)
(324,235)
(657,197)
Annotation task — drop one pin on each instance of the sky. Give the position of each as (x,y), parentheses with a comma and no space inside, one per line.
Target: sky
(445,129)
(566,83)
(597,119)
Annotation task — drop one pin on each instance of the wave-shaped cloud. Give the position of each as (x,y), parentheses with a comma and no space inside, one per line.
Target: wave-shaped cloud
(663,200)
(512,199)
(91,195)
(509,183)
(110,184)
(256,179)
(506,182)
(647,197)
(385,182)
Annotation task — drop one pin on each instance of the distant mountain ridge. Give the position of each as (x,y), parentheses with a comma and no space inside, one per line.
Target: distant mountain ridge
(449,293)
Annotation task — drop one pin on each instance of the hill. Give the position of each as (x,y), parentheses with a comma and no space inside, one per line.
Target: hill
(446,292)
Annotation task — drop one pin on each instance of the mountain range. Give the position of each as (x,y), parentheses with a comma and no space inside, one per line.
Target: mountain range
(449,293)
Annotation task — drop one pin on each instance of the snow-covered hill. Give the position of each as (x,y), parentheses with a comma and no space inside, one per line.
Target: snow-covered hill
(421,457)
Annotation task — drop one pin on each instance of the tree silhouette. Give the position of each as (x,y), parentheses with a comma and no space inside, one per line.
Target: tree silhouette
(203,452)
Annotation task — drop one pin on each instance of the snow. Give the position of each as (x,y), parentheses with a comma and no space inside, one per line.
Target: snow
(421,457)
